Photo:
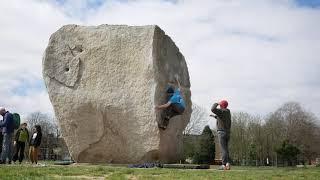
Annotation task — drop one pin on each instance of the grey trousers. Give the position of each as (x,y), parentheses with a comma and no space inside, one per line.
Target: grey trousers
(7,147)
(224,138)
(1,140)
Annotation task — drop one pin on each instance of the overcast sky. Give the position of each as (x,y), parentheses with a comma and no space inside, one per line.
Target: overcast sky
(257,54)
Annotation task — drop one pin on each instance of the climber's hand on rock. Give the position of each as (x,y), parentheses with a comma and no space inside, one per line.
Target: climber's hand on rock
(176,77)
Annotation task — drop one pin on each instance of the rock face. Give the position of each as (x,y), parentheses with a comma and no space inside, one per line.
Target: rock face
(104,81)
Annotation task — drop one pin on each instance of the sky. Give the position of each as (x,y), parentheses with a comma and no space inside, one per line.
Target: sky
(255,54)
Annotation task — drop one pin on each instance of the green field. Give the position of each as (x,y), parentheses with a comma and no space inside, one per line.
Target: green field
(83,171)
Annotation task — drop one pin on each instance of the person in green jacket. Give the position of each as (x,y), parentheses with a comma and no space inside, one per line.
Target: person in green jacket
(21,139)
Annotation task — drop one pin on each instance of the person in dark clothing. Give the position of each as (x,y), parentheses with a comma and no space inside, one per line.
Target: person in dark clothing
(1,140)
(7,126)
(223,117)
(175,105)
(21,139)
(34,144)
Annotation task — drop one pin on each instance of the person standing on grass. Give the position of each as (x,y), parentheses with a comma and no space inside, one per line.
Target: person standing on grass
(1,139)
(7,126)
(223,117)
(34,144)
(21,139)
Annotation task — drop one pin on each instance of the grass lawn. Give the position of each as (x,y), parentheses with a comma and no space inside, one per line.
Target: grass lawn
(50,171)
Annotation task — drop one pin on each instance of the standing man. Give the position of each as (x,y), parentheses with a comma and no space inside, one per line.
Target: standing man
(1,139)
(223,117)
(7,130)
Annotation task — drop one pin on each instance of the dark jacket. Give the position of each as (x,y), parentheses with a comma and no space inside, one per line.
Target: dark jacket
(223,118)
(18,134)
(1,127)
(37,141)
(7,123)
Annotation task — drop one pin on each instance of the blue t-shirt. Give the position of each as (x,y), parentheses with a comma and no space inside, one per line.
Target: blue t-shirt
(177,99)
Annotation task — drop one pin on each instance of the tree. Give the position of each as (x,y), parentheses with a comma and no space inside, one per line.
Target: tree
(255,139)
(240,137)
(49,130)
(47,123)
(253,151)
(288,152)
(274,131)
(296,125)
(197,121)
(190,145)
(206,151)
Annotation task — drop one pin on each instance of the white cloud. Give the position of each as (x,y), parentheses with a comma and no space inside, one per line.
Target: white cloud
(256,54)
(25,30)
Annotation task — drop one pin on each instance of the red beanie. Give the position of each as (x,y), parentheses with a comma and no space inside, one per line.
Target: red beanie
(223,103)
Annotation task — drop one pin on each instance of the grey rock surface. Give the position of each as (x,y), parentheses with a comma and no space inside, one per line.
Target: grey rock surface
(104,81)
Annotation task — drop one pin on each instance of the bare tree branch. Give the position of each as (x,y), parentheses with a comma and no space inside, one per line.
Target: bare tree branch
(197,121)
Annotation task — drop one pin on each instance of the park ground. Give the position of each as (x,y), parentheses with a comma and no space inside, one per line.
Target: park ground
(85,171)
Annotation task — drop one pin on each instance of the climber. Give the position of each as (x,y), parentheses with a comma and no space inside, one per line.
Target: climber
(174,106)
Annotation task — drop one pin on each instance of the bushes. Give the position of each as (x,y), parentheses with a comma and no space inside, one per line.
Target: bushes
(200,148)
(288,152)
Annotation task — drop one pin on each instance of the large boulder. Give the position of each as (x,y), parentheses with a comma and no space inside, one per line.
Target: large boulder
(104,82)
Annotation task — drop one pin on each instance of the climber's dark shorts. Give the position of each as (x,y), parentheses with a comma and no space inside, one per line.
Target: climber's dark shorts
(168,113)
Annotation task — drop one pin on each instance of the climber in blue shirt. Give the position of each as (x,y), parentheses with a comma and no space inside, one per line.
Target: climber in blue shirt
(175,105)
